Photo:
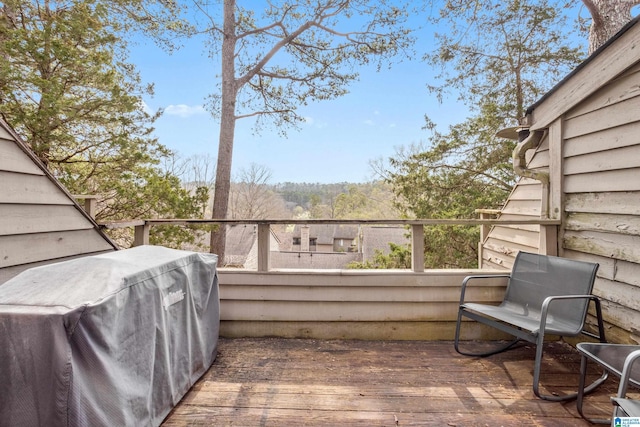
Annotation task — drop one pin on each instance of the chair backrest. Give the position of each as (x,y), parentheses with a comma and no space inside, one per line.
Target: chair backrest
(535,277)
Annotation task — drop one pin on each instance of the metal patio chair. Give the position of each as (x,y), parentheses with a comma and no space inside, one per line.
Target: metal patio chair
(623,406)
(545,295)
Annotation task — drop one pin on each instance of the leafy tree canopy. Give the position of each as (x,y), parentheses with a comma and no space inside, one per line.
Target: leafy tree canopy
(399,257)
(66,88)
(498,58)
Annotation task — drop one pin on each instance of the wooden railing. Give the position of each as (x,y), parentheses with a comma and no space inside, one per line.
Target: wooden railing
(350,304)
(547,233)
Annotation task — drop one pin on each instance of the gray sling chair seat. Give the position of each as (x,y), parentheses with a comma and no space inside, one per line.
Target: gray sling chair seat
(545,295)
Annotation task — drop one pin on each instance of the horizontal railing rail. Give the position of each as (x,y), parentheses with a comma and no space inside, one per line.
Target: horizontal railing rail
(142,227)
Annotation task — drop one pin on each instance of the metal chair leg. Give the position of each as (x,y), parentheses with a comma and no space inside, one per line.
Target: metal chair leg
(581,387)
(499,349)
(582,390)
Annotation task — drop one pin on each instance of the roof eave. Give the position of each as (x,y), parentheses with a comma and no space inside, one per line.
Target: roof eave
(594,64)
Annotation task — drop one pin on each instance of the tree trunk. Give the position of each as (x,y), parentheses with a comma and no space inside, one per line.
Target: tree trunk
(608,17)
(227,131)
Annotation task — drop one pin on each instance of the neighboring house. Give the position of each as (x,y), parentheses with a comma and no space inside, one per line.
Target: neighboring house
(585,136)
(318,246)
(41,222)
(326,238)
(333,246)
(241,250)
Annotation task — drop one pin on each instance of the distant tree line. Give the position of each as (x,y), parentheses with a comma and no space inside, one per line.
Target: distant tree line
(252,200)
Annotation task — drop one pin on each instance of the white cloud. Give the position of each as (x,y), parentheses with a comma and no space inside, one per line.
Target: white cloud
(182,110)
(308,120)
(369,122)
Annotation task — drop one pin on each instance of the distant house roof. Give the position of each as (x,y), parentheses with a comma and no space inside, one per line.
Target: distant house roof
(283,238)
(378,238)
(603,62)
(241,248)
(240,241)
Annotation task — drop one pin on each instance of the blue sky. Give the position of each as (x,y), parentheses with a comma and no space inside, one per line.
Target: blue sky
(382,111)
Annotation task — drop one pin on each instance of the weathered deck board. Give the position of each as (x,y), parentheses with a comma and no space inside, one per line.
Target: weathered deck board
(291,382)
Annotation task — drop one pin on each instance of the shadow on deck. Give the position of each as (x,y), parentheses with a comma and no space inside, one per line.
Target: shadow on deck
(302,382)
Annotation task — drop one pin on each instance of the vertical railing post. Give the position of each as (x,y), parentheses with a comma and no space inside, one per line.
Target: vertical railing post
(90,204)
(484,228)
(417,248)
(264,238)
(141,234)
(484,231)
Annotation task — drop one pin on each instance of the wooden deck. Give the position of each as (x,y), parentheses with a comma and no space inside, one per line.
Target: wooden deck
(298,382)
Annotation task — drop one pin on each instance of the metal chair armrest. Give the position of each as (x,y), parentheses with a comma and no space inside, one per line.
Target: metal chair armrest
(478,276)
(548,300)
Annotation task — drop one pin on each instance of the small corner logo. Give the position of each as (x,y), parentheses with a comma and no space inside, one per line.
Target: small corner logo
(626,422)
(171,299)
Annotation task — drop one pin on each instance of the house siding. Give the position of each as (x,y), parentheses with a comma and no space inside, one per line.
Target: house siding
(504,242)
(524,203)
(595,184)
(40,223)
(352,304)
(601,153)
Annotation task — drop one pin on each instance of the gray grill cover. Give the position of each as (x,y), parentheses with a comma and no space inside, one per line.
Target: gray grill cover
(107,340)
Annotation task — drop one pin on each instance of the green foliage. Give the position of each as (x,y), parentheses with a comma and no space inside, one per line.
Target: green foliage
(464,170)
(370,200)
(503,55)
(399,257)
(300,193)
(202,199)
(65,88)
(147,192)
(352,202)
(500,57)
(315,207)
